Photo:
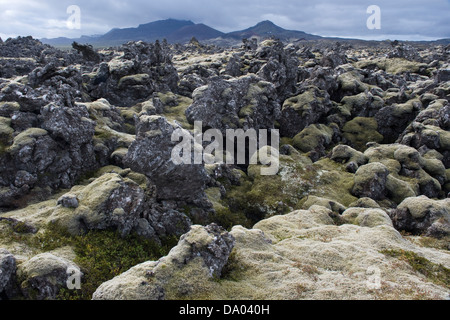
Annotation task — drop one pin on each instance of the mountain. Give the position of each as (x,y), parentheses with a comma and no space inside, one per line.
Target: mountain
(199,31)
(181,31)
(147,32)
(267,29)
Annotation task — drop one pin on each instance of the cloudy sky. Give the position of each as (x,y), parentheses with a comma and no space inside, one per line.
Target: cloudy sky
(400,19)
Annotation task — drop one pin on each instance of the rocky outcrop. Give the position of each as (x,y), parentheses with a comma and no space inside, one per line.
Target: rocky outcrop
(7,274)
(300,111)
(101,145)
(301,255)
(151,154)
(281,67)
(44,275)
(245,102)
(52,157)
(421,215)
(132,77)
(203,251)
(107,202)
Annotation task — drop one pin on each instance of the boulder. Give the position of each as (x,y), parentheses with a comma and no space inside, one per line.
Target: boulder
(151,154)
(109,201)
(359,131)
(203,250)
(393,119)
(345,154)
(44,275)
(370,181)
(424,216)
(334,206)
(300,255)
(315,139)
(245,102)
(366,217)
(7,274)
(300,111)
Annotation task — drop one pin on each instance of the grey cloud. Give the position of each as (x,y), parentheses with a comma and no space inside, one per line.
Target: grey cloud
(404,19)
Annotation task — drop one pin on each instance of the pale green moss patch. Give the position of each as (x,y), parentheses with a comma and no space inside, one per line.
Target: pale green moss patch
(360,131)
(135,79)
(5,128)
(393,65)
(175,108)
(351,81)
(312,137)
(27,137)
(334,182)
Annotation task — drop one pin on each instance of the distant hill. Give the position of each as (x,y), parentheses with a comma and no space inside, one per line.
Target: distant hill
(181,31)
(147,32)
(267,29)
(199,31)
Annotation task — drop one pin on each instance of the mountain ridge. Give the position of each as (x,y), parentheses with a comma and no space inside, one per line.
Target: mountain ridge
(181,31)
(267,28)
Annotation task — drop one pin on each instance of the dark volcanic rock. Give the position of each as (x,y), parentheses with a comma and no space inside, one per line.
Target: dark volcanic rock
(370,181)
(151,154)
(7,274)
(423,216)
(87,51)
(281,68)
(302,110)
(246,102)
(22,47)
(131,78)
(392,120)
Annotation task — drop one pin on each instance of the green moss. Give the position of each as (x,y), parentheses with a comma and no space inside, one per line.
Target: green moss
(105,133)
(302,102)
(223,215)
(130,129)
(27,137)
(312,137)
(102,134)
(430,242)
(234,270)
(399,189)
(249,109)
(333,182)
(258,196)
(285,140)
(360,131)
(175,108)
(133,80)
(351,81)
(357,102)
(394,65)
(436,273)
(5,128)
(101,255)
(9,107)
(128,114)
(3,148)
(168,98)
